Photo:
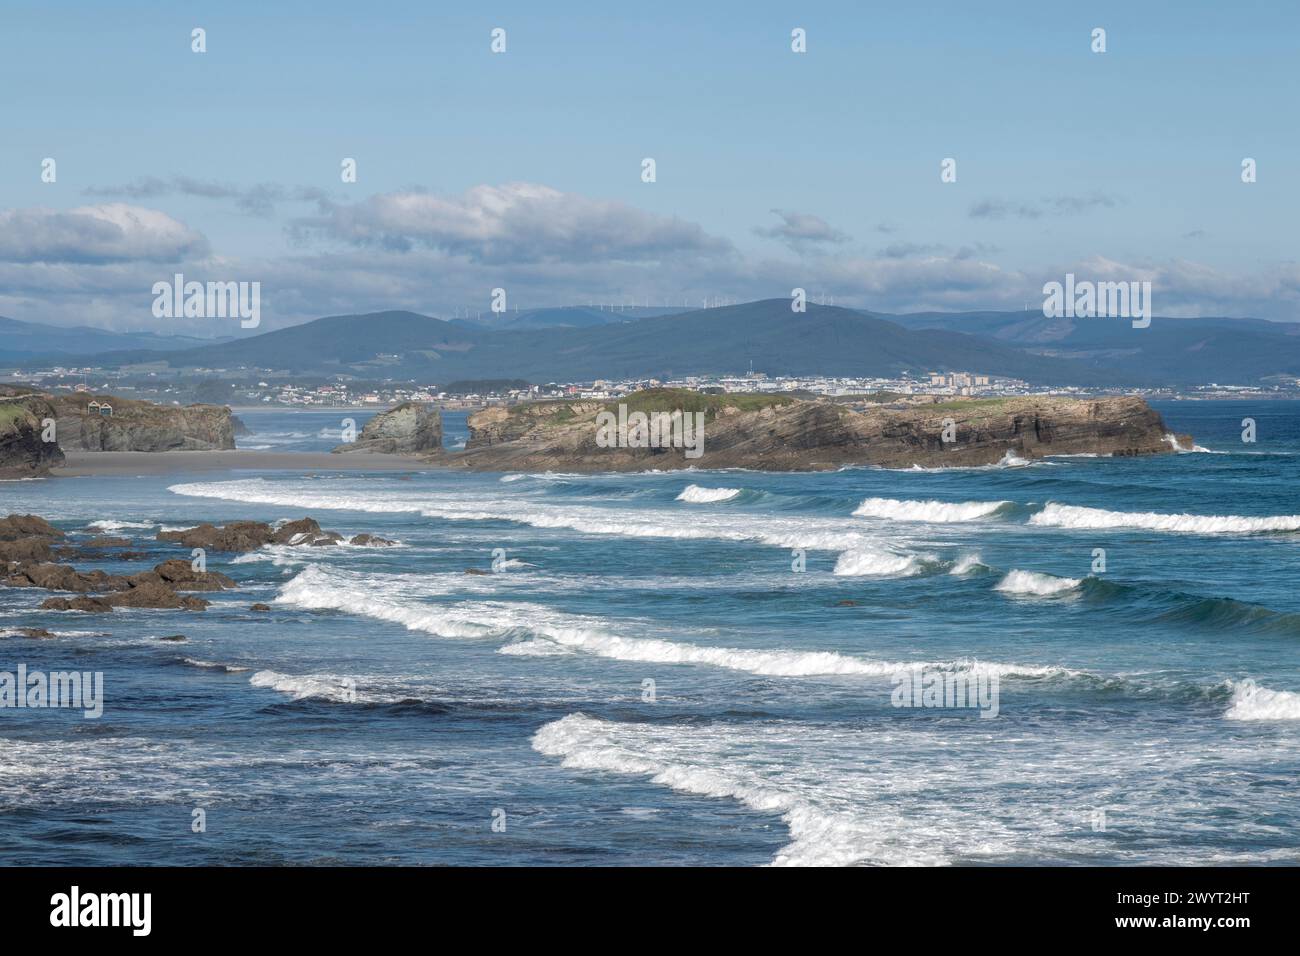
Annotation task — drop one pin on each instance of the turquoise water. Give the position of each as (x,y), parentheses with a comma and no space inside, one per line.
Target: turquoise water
(392,708)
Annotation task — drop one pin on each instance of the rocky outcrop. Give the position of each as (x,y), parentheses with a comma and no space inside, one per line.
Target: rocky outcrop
(13,527)
(140,426)
(407,429)
(24,452)
(779,433)
(159,588)
(175,575)
(251,535)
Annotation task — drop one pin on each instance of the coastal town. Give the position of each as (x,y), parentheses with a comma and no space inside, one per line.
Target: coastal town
(237,387)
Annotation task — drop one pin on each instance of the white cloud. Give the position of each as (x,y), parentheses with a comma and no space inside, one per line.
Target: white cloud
(112,232)
(514,223)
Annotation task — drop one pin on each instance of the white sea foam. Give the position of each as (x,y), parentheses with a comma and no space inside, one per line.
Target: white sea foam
(818,837)
(390,598)
(966,564)
(1195,449)
(694,494)
(839,811)
(860,563)
(218,666)
(1252,702)
(927,511)
(535,649)
(777,531)
(513,563)
(316,588)
(300,688)
(1009,460)
(114,525)
(1035,584)
(1077,517)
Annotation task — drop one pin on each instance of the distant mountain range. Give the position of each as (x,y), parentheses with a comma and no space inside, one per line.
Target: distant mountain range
(1177,351)
(22,341)
(569,316)
(578,343)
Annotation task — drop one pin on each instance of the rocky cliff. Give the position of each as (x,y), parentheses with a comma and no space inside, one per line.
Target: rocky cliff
(23,451)
(779,433)
(407,429)
(141,426)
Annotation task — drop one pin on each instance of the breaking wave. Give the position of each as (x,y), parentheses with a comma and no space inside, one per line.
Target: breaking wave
(1252,702)
(694,494)
(301,688)
(1035,584)
(830,534)
(928,511)
(1075,516)
(861,563)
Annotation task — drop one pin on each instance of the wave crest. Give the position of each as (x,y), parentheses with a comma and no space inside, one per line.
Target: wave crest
(1076,516)
(1035,583)
(694,494)
(938,512)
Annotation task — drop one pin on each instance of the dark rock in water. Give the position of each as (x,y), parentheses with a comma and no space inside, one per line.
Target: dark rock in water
(476,571)
(235,536)
(107,542)
(155,595)
(407,429)
(260,607)
(181,576)
(239,428)
(25,549)
(251,535)
(90,604)
(371,541)
(25,526)
(39,632)
(846,604)
(64,577)
(175,638)
(154,589)
(296,532)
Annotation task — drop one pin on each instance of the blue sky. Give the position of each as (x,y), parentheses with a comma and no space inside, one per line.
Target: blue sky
(522,170)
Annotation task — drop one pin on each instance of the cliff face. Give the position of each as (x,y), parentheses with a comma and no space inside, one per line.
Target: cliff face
(406,429)
(141,426)
(23,452)
(781,434)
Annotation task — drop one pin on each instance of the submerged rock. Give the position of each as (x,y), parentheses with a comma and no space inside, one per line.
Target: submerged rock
(371,541)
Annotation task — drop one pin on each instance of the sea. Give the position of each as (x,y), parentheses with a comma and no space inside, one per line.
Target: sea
(1078,660)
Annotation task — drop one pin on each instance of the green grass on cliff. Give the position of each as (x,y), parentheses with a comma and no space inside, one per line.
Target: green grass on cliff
(669,400)
(10,414)
(969,403)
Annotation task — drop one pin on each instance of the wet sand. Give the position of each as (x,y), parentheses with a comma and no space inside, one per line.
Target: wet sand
(120,463)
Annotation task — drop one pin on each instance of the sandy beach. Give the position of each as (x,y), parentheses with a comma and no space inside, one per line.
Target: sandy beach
(119,463)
